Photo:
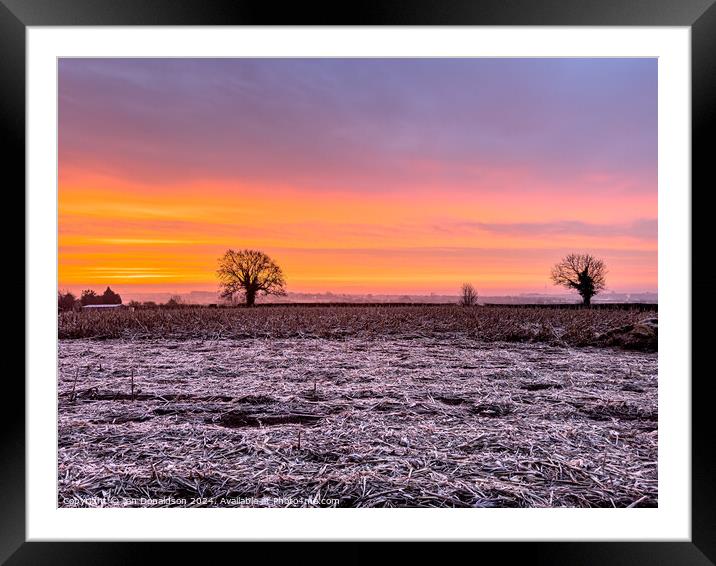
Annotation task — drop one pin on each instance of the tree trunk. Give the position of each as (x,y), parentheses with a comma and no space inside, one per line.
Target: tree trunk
(587,300)
(250,297)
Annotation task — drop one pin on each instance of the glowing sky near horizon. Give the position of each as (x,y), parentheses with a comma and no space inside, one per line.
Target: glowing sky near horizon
(357,175)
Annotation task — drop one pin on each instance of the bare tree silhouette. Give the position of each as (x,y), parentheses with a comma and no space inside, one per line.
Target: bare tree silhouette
(582,272)
(249,272)
(468,296)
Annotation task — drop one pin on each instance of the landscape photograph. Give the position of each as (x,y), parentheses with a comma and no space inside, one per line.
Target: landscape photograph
(357,282)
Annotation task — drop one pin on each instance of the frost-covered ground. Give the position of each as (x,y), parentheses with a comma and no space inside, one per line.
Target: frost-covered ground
(427,421)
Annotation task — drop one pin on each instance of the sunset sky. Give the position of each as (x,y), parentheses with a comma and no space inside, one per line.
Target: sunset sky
(357,175)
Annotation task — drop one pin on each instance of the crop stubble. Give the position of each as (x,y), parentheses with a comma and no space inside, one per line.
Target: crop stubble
(419,417)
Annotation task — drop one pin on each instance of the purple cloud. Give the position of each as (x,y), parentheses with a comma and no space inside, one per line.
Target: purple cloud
(361,124)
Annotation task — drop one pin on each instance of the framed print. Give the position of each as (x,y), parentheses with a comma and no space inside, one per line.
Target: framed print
(397,278)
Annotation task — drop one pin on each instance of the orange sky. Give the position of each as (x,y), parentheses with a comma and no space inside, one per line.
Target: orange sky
(138,212)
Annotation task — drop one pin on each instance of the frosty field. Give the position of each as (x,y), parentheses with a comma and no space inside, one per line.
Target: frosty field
(357,421)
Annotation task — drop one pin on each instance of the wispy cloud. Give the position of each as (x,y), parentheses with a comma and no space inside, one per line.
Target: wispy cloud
(642,229)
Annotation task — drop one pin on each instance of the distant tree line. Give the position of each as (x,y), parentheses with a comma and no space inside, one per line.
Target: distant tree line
(175,301)
(67,301)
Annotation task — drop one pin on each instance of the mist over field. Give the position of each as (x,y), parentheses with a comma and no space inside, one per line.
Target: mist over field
(212,297)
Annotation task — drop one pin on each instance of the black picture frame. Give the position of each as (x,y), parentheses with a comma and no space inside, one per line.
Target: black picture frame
(699,15)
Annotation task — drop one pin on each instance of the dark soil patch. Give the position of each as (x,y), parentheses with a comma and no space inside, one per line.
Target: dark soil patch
(238,419)
(161,411)
(541,386)
(188,397)
(492,409)
(96,395)
(451,400)
(620,410)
